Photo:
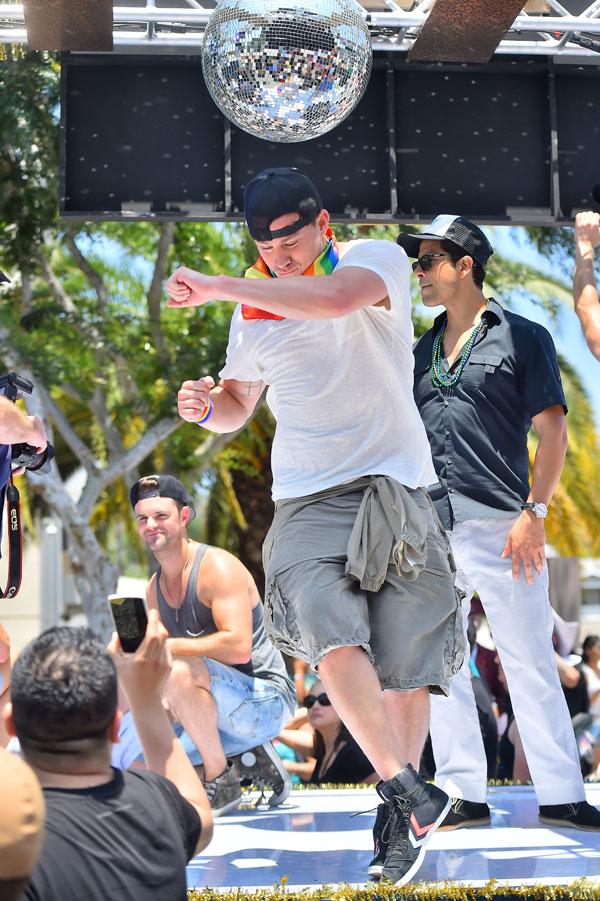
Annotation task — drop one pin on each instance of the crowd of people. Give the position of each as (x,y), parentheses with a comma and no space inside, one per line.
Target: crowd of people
(401,485)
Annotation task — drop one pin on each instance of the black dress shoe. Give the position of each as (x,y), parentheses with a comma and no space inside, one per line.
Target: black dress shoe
(464,814)
(579,815)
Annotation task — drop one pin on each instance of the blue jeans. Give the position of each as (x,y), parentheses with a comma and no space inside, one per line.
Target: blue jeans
(250,711)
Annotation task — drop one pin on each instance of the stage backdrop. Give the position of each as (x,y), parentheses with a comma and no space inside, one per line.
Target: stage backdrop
(516,141)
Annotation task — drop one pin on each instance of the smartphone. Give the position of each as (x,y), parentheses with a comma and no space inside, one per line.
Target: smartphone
(130,619)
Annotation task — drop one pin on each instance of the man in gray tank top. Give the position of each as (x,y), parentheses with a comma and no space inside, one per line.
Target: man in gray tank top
(228,689)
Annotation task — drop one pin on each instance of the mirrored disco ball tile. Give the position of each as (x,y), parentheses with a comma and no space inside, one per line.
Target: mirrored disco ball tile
(287,71)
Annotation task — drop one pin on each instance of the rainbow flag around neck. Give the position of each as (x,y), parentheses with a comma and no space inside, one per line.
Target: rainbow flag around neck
(323,265)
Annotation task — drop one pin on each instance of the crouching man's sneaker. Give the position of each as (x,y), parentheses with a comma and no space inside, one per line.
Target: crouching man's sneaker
(263,767)
(417,809)
(579,815)
(464,814)
(224,793)
(381,829)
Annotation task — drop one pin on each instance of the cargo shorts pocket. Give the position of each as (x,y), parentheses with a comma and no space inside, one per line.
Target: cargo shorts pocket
(454,650)
(280,620)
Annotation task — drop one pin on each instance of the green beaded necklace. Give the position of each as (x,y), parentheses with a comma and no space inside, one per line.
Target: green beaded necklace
(446,380)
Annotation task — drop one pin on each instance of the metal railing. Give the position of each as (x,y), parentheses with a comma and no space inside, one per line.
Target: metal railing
(557,33)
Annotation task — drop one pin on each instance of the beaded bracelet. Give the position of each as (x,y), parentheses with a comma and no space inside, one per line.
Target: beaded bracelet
(205,413)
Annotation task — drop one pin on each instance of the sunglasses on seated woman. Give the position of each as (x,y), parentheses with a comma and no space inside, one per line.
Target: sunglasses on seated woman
(323,700)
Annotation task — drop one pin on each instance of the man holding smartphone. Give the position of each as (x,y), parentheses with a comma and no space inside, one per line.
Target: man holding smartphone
(228,688)
(108,834)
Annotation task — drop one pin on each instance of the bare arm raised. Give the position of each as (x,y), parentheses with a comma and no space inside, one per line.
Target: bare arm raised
(322,297)
(585,291)
(141,675)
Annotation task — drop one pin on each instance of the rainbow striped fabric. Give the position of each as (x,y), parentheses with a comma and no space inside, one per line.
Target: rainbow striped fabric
(323,265)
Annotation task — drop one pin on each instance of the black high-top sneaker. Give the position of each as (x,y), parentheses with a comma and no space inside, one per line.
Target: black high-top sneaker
(417,809)
(380,837)
(224,792)
(263,767)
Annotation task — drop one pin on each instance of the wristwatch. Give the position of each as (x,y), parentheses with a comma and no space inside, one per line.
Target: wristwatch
(539,510)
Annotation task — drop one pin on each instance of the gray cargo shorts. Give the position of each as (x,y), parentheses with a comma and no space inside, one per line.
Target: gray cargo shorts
(411,630)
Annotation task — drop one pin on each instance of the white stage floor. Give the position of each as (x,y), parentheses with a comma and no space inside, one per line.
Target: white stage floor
(314,839)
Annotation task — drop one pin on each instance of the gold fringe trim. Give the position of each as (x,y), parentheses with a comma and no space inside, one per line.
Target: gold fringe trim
(580,890)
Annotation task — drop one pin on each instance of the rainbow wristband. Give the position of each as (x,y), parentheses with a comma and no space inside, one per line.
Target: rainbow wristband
(206,414)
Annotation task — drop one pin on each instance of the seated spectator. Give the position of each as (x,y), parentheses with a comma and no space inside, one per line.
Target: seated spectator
(108,834)
(590,656)
(486,656)
(228,689)
(330,752)
(570,670)
(302,679)
(21,824)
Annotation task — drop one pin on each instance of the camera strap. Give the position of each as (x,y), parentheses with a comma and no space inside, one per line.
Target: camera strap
(14,539)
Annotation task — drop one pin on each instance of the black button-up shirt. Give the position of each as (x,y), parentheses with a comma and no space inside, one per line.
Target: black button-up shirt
(478,429)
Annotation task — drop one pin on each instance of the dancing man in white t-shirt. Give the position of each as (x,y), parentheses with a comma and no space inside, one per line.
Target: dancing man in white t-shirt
(358,569)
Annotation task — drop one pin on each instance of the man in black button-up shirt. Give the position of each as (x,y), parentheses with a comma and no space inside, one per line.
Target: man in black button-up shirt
(483,376)
(478,430)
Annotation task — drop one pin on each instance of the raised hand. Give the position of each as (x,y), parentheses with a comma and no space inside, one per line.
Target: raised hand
(143,674)
(587,230)
(193,396)
(188,288)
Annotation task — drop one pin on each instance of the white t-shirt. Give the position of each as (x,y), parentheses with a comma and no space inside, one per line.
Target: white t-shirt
(341,390)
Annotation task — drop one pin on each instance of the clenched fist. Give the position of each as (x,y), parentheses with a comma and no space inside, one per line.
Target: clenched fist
(188,288)
(193,397)
(587,230)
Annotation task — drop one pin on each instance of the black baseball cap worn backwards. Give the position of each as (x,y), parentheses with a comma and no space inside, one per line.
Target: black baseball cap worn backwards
(160,486)
(275,192)
(457,229)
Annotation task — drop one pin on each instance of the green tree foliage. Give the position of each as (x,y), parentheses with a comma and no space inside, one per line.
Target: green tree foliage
(85,319)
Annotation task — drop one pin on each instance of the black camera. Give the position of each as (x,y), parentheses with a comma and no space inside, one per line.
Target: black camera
(12,386)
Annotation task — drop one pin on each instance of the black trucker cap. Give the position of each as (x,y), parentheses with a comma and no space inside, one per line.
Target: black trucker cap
(4,278)
(457,229)
(275,192)
(160,486)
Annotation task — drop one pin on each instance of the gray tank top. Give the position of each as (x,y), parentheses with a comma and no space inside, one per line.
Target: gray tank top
(194,619)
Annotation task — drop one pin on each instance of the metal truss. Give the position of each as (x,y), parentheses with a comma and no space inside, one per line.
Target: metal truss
(544,28)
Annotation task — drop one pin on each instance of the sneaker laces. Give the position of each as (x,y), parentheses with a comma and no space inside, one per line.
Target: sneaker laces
(211,789)
(399,820)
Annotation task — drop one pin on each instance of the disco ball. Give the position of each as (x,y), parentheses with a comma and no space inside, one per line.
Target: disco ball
(287,71)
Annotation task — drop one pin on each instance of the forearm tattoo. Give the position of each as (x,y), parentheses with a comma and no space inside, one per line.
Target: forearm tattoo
(250,388)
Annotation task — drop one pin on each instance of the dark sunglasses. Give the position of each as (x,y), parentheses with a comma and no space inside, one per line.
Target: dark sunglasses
(323,700)
(426,261)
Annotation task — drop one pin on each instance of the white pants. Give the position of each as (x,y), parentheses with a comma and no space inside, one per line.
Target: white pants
(521,622)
